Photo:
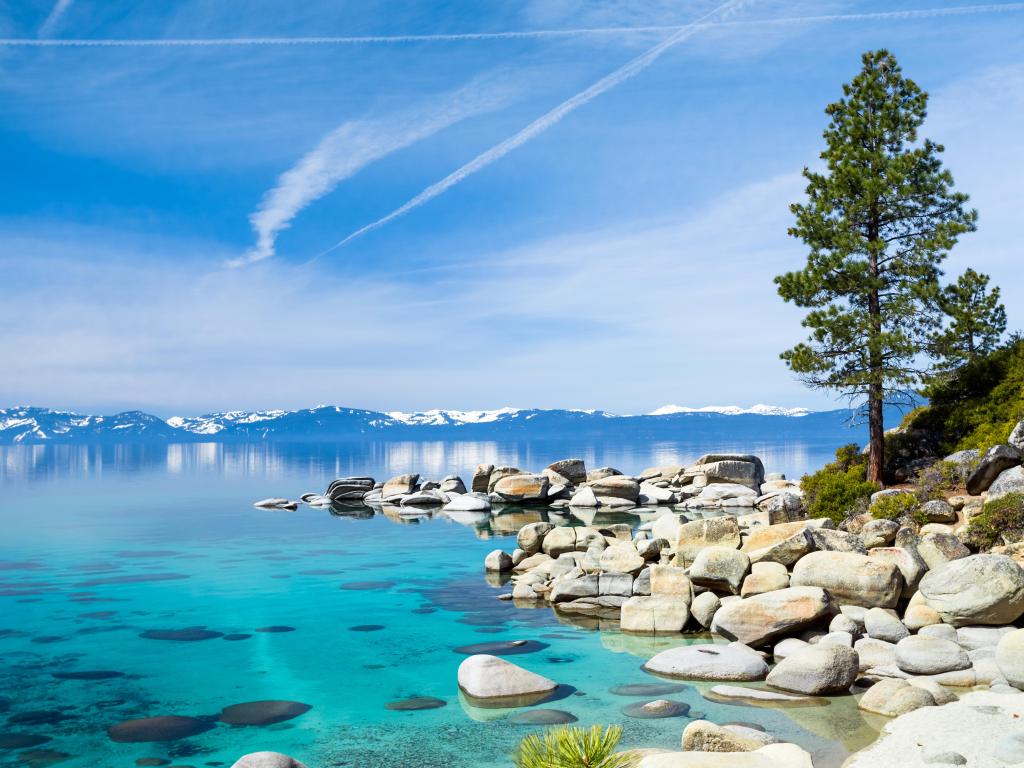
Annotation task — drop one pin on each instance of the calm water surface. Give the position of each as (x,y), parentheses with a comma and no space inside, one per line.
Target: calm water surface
(100,547)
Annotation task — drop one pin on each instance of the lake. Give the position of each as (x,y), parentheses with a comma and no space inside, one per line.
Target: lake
(139,582)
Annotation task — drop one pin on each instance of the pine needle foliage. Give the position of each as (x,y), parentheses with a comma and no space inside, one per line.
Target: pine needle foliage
(569,747)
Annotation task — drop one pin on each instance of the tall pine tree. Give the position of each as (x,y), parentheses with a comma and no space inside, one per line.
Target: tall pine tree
(976,317)
(878,222)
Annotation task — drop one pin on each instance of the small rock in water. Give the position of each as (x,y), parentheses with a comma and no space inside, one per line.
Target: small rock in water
(262,712)
(943,758)
(366,628)
(267,760)
(188,634)
(543,717)
(236,636)
(277,503)
(414,703)
(502,647)
(21,740)
(648,689)
(276,628)
(161,728)
(650,710)
(96,674)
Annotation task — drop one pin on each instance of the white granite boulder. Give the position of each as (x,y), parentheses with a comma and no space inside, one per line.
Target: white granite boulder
(733,662)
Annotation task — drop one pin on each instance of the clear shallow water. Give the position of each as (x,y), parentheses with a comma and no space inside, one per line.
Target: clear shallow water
(100,546)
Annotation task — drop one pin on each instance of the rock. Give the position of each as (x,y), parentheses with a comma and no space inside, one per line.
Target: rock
(667,527)
(893,698)
(771,756)
(617,487)
(489,677)
(980,589)
(584,498)
(784,507)
(668,580)
(918,617)
(816,670)
(481,478)
(498,560)
(267,760)
(923,655)
(850,578)
(759,619)
(756,696)
(622,558)
(732,468)
(939,694)
(651,494)
(650,549)
(784,543)
(666,473)
(600,473)
(938,511)
(843,623)
(1016,438)
(882,624)
(522,487)
(970,728)
(695,536)
(642,582)
(1010,481)
(704,607)
(937,549)
(276,503)
(720,568)
(879,533)
(734,662)
(723,495)
(1010,657)
(705,736)
(559,540)
(1010,748)
(654,614)
(573,470)
(910,564)
(530,537)
(765,577)
(875,653)
(831,540)
(400,485)
(427,498)
(837,638)
(787,647)
(996,460)
(566,589)
(975,638)
(349,488)
(617,584)
(468,502)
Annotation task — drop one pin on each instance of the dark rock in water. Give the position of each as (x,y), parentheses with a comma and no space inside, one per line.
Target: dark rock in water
(147,553)
(151,762)
(362,585)
(502,648)
(262,712)
(650,710)
(276,628)
(543,717)
(424,611)
(648,689)
(160,728)
(98,615)
(93,674)
(366,628)
(38,717)
(21,740)
(489,630)
(39,757)
(349,488)
(47,639)
(321,572)
(414,703)
(186,635)
(236,636)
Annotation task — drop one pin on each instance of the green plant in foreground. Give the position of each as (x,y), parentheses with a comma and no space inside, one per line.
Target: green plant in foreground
(840,488)
(1001,518)
(568,747)
(895,507)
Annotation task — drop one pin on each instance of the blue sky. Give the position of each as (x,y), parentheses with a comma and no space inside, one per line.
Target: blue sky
(170,216)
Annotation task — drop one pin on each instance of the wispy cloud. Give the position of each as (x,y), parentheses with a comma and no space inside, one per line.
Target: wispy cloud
(59,9)
(321,40)
(556,115)
(351,147)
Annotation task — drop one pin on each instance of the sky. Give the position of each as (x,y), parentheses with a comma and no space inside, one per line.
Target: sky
(414,204)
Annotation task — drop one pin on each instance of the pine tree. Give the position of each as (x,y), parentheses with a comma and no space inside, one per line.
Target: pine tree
(977,320)
(878,222)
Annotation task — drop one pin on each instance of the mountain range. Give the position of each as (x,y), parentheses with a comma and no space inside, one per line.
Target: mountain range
(33,426)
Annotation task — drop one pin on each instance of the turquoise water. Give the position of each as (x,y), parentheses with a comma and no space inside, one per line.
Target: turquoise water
(101,546)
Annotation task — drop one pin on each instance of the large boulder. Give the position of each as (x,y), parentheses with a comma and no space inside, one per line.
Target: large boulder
(481,478)
(770,756)
(742,468)
(937,549)
(924,655)
(759,619)
(1010,657)
(349,488)
(498,560)
(735,662)
(883,624)
(1010,481)
(996,460)
(1016,438)
(783,543)
(668,580)
(764,577)
(467,502)
(723,495)
(522,488)
(622,558)
(817,670)
(499,473)
(267,760)
(831,540)
(565,589)
(573,470)
(654,614)
(531,537)
(850,578)
(705,736)
(712,532)
(938,511)
(559,540)
(616,487)
(495,680)
(398,486)
(894,697)
(720,568)
(704,607)
(980,589)
(910,564)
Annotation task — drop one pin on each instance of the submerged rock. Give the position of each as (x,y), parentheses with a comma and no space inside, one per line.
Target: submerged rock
(265,712)
(488,677)
(161,728)
(267,760)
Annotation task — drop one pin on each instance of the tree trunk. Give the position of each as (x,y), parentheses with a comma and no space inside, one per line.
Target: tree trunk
(876,364)
(876,434)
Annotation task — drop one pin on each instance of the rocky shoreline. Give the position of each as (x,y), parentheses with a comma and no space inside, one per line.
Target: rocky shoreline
(906,617)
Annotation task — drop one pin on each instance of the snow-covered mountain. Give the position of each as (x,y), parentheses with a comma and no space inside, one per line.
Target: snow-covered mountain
(21,426)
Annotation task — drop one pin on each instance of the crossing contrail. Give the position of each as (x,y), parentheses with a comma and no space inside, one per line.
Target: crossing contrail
(62,5)
(59,9)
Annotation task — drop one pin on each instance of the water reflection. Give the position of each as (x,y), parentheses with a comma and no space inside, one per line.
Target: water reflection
(378,459)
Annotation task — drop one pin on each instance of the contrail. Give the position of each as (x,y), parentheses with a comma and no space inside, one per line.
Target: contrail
(62,5)
(59,9)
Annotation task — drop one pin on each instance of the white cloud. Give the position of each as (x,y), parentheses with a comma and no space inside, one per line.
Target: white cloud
(59,9)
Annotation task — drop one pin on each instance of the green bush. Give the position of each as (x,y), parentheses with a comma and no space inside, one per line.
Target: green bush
(566,747)
(840,488)
(942,478)
(896,507)
(1000,519)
